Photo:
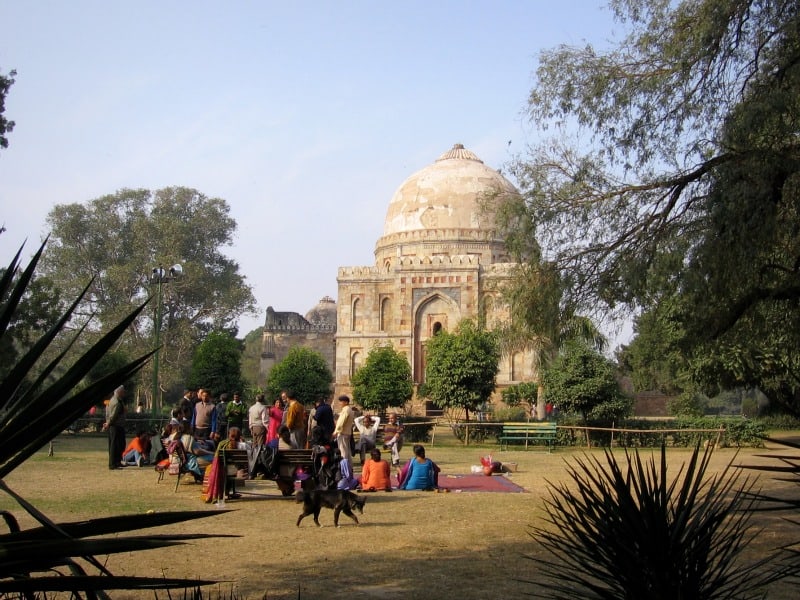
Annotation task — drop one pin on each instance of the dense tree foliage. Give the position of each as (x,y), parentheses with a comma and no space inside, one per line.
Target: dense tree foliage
(305,372)
(582,381)
(117,240)
(675,175)
(654,359)
(217,364)
(6,126)
(516,395)
(384,380)
(461,367)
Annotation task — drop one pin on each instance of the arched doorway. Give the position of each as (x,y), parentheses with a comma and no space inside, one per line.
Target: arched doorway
(434,313)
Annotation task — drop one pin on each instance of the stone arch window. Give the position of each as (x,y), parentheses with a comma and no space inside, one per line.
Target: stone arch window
(387,266)
(437,327)
(355,323)
(355,362)
(386,313)
(517,367)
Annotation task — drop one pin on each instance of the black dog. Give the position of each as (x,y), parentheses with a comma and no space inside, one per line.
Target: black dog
(341,501)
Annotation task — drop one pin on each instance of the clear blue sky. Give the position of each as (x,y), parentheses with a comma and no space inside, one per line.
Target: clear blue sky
(304,116)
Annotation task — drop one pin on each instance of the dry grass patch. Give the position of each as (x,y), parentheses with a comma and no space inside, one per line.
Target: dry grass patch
(410,544)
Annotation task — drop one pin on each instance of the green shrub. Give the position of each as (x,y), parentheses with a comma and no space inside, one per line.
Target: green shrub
(511,414)
(417,430)
(779,422)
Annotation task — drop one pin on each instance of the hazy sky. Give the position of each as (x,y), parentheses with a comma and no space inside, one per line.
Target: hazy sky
(304,116)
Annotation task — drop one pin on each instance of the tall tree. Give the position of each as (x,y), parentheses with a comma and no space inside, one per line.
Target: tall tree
(676,174)
(305,372)
(6,126)
(461,367)
(542,319)
(116,241)
(217,363)
(383,380)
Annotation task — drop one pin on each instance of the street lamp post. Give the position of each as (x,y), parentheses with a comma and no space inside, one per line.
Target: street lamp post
(159,277)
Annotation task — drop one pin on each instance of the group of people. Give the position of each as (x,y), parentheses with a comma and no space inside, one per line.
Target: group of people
(202,427)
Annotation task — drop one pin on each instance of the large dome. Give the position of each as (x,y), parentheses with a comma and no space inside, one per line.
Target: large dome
(450,200)
(324,313)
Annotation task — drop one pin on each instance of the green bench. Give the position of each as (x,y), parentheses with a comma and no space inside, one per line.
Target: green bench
(529,433)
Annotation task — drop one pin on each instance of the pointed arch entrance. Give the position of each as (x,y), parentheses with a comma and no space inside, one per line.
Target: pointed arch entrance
(434,313)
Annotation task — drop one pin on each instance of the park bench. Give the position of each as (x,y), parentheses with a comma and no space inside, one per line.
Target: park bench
(233,461)
(529,433)
(282,468)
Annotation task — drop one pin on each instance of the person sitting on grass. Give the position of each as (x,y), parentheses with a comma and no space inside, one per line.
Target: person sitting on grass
(419,473)
(347,481)
(375,475)
(138,450)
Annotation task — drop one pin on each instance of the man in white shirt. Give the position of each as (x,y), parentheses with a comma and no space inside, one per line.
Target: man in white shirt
(367,426)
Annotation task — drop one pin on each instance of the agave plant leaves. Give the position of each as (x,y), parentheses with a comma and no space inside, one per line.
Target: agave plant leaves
(37,402)
(30,416)
(632,533)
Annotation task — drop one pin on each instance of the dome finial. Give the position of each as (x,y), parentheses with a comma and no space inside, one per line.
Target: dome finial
(458,151)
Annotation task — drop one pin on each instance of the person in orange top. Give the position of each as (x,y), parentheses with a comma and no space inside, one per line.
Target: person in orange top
(375,474)
(138,451)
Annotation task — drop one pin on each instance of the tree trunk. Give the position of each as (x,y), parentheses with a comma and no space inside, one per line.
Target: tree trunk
(540,403)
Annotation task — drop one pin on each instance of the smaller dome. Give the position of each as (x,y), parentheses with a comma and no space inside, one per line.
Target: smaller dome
(324,313)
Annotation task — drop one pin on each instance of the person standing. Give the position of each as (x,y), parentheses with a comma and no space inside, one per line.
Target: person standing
(343,432)
(256,421)
(296,421)
(275,414)
(323,415)
(185,408)
(221,429)
(204,418)
(236,411)
(115,425)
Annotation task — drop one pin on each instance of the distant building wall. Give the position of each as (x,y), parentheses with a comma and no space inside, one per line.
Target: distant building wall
(650,404)
(286,330)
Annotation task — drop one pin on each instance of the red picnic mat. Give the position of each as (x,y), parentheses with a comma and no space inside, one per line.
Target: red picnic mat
(478,482)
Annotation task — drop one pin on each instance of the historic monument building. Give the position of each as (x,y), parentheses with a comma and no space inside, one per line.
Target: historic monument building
(285,330)
(439,260)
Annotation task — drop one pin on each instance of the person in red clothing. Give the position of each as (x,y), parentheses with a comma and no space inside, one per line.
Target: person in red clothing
(375,474)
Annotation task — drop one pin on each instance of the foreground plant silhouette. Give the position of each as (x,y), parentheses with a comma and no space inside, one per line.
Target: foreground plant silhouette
(627,532)
(35,406)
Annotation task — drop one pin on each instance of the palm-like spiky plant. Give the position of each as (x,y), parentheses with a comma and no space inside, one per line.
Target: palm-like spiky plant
(630,533)
(35,406)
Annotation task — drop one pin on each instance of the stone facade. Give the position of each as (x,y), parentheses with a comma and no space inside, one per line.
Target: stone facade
(286,330)
(439,260)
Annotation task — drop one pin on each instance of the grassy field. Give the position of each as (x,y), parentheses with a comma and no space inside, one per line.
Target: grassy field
(410,544)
